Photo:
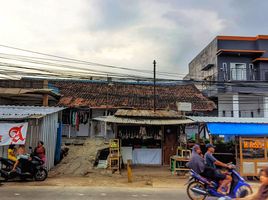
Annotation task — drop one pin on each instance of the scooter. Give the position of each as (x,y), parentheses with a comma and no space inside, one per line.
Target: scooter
(6,164)
(200,187)
(27,169)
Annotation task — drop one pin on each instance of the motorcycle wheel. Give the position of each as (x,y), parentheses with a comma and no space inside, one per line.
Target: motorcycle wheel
(243,191)
(40,175)
(193,195)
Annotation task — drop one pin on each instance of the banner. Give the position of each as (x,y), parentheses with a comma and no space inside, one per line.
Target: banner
(13,133)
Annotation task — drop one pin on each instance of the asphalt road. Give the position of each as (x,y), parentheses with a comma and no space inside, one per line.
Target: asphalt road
(87,193)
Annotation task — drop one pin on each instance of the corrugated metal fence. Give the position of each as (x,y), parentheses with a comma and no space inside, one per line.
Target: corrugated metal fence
(44,129)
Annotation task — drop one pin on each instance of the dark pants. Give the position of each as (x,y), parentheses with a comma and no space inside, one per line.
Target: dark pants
(213,174)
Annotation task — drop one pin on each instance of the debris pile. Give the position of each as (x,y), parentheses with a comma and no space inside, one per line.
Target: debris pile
(81,157)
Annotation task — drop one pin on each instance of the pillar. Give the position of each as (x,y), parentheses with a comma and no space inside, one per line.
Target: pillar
(45,100)
(236,105)
(265,106)
(45,96)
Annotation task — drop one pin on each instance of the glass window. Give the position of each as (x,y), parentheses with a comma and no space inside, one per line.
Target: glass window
(238,71)
(253,148)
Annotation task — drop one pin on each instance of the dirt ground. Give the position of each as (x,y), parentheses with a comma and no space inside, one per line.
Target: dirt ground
(77,170)
(80,158)
(148,177)
(143,177)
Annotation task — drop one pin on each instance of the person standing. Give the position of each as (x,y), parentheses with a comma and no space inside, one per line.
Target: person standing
(40,151)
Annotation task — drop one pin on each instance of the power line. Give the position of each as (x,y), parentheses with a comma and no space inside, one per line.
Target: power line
(82,61)
(113,74)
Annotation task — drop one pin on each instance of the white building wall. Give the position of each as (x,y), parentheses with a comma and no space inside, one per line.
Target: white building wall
(243,106)
(251,106)
(225,105)
(84,130)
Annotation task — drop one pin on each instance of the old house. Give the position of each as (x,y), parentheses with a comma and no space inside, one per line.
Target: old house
(87,100)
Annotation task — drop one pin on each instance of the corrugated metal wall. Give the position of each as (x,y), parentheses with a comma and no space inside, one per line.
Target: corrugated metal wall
(48,134)
(44,129)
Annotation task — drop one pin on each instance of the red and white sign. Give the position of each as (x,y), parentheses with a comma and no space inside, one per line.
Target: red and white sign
(13,133)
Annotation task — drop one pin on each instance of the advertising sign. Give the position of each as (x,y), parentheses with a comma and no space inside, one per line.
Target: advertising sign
(13,133)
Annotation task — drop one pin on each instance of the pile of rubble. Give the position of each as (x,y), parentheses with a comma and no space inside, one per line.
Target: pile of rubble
(81,157)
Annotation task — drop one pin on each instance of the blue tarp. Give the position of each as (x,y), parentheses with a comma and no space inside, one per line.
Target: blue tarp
(238,129)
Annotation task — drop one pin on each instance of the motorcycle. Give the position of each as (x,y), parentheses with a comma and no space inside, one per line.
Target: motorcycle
(200,187)
(32,168)
(6,163)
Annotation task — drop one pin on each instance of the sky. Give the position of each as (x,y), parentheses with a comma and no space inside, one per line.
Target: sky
(127,33)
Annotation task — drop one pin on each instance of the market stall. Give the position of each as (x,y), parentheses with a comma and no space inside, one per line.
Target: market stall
(253,155)
(145,143)
(249,136)
(148,137)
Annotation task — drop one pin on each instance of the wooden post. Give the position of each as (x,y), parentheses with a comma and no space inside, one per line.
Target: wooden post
(45,100)
(241,157)
(45,96)
(162,143)
(129,171)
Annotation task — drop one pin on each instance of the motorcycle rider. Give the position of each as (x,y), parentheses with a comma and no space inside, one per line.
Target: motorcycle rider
(21,154)
(197,162)
(11,153)
(40,151)
(211,170)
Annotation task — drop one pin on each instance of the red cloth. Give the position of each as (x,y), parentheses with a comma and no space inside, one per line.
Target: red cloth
(41,152)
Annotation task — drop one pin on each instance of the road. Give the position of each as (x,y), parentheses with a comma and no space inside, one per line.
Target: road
(87,193)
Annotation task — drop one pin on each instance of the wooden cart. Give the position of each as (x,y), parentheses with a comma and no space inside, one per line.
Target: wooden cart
(178,165)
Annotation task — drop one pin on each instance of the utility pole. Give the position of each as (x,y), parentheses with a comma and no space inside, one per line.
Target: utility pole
(154,85)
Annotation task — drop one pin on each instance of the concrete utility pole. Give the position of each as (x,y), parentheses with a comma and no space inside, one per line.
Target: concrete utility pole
(154,85)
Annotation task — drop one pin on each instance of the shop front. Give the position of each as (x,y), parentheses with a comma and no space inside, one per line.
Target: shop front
(250,137)
(150,139)
(253,155)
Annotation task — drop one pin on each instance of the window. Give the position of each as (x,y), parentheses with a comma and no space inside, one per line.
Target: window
(232,113)
(224,71)
(252,72)
(238,71)
(223,113)
(266,76)
(253,148)
(252,114)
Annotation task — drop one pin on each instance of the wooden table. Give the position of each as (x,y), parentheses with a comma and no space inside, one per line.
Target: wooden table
(179,164)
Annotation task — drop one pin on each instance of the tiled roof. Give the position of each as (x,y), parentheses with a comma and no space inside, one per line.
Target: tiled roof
(123,95)
(158,114)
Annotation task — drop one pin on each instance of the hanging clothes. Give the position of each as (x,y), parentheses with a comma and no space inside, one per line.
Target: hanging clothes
(77,123)
(142,132)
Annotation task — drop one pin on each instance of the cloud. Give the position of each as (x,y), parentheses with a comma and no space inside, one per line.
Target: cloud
(124,32)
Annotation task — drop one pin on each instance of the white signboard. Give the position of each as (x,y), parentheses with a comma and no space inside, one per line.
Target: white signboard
(13,133)
(184,106)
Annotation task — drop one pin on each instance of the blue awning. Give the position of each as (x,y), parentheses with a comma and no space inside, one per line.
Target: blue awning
(238,129)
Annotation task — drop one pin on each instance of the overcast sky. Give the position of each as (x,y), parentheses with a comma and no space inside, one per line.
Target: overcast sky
(128,33)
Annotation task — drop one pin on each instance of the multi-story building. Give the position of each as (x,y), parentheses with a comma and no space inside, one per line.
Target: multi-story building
(233,71)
